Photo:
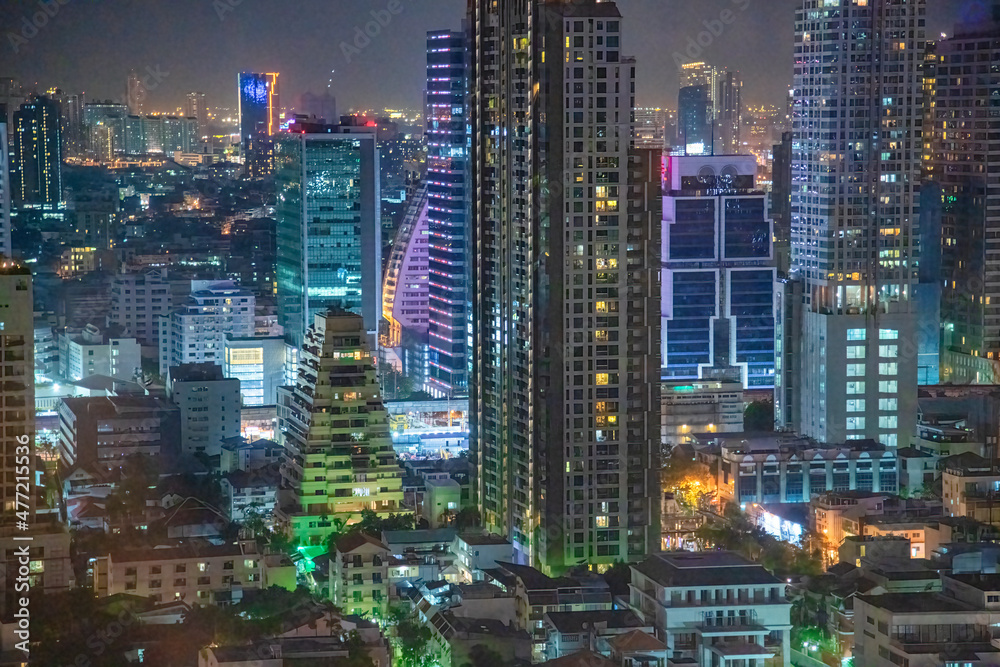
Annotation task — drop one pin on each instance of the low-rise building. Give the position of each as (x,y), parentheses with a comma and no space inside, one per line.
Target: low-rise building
(453,639)
(197,572)
(572,631)
(537,594)
(50,569)
(700,406)
(783,468)
(108,430)
(922,630)
(713,608)
(359,575)
(251,492)
(442,499)
(92,351)
(244,454)
(209,407)
(970,487)
(475,553)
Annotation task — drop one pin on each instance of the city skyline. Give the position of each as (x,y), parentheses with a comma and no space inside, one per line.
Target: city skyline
(363,71)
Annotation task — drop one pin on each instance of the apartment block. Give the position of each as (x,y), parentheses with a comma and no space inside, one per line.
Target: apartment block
(209,406)
(339,458)
(713,608)
(359,575)
(198,573)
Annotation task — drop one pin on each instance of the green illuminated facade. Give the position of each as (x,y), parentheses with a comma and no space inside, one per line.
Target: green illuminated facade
(338,456)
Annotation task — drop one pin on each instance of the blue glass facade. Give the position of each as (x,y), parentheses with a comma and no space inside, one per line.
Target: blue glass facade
(258,95)
(327,228)
(718,282)
(447,135)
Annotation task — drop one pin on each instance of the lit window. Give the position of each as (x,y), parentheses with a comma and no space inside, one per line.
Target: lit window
(856,405)
(888,351)
(855,351)
(888,369)
(855,423)
(888,334)
(602,378)
(602,521)
(856,387)
(855,370)
(855,334)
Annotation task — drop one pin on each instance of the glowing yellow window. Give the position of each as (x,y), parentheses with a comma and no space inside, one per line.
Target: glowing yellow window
(602,521)
(602,306)
(602,378)
(601,335)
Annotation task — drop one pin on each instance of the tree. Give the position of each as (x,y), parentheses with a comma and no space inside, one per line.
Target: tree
(759,416)
(467,518)
(482,655)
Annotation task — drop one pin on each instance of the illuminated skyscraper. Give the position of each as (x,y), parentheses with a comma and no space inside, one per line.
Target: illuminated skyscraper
(964,163)
(718,279)
(36,170)
(856,170)
(4,186)
(328,225)
(260,115)
(565,384)
(449,297)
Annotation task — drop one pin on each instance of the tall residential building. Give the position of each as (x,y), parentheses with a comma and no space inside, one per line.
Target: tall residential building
(338,456)
(854,212)
(196,107)
(17,379)
(328,225)
(962,163)
(36,169)
(104,125)
(694,120)
(565,404)
(135,93)
(718,278)
(196,331)
(260,115)
(729,114)
(5,194)
(449,202)
(781,201)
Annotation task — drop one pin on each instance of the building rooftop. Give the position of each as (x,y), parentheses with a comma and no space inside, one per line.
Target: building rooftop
(420,536)
(187,551)
(581,659)
(576,621)
(352,541)
(916,603)
(983,582)
(483,539)
(683,569)
(637,640)
(205,372)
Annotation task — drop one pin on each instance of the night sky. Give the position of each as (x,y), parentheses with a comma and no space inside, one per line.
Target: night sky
(185,45)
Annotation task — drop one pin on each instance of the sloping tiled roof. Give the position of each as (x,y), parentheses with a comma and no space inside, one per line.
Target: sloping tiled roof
(353,540)
(637,640)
